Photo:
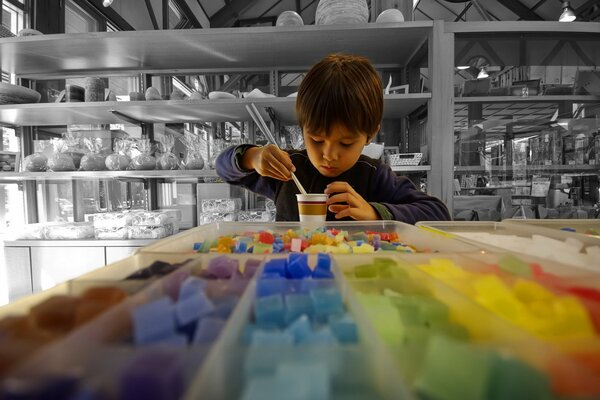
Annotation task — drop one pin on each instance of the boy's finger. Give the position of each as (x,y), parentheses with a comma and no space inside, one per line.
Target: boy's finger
(344,198)
(284,158)
(336,187)
(277,165)
(348,212)
(280,172)
(337,208)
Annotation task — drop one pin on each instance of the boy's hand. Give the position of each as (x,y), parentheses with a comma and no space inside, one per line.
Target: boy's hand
(269,161)
(353,205)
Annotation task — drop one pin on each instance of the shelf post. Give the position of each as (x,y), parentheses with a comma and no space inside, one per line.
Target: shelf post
(440,135)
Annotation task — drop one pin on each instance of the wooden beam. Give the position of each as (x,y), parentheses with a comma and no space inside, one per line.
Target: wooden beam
(521,10)
(165,14)
(463,12)
(269,9)
(202,8)
(228,14)
(187,12)
(151,13)
(482,11)
(588,5)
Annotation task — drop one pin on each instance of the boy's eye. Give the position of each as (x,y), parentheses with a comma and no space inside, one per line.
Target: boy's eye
(347,144)
(316,141)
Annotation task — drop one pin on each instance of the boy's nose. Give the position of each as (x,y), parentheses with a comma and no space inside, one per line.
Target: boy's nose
(329,153)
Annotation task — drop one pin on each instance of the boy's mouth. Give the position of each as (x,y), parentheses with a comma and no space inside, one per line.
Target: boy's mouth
(328,168)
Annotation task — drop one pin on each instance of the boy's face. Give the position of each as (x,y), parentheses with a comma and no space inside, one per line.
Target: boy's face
(334,154)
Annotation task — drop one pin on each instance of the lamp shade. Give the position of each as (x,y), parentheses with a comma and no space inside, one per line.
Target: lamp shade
(568,15)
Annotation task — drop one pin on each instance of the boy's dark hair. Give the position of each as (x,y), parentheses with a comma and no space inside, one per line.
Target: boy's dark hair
(341,89)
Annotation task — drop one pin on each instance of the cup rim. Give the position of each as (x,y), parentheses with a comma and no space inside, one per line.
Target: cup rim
(311,197)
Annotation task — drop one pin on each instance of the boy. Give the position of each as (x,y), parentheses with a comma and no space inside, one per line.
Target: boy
(339,107)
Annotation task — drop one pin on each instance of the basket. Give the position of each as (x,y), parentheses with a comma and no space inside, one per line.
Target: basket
(397,160)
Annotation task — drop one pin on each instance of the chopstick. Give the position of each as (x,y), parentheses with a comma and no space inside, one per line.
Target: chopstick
(262,125)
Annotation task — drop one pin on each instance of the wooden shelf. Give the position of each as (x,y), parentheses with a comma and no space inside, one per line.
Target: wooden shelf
(530,99)
(207,50)
(165,111)
(123,175)
(520,27)
(530,168)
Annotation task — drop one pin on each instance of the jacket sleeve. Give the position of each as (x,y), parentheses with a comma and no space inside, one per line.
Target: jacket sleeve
(228,169)
(404,201)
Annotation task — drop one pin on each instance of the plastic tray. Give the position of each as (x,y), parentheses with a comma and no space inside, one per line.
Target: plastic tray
(486,330)
(422,240)
(580,226)
(454,230)
(359,366)
(121,269)
(112,328)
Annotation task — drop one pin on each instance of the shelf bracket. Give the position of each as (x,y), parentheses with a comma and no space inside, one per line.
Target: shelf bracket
(127,118)
(147,127)
(8,126)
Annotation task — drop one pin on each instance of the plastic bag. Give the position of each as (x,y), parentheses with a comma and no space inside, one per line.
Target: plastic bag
(36,162)
(216,147)
(143,161)
(167,160)
(71,231)
(74,148)
(61,160)
(94,160)
(294,138)
(119,161)
(193,158)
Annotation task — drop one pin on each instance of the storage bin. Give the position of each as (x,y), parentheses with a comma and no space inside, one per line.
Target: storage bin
(586,230)
(422,240)
(541,242)
(115,326)
(487,336)
(361,369)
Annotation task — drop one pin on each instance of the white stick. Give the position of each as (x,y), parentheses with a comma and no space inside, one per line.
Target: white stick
(262,125)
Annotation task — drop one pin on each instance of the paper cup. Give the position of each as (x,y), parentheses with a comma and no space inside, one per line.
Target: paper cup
(312,207)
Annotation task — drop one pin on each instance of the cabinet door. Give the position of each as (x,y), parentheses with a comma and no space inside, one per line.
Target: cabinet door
(53,265)
(18,272)
(114,254)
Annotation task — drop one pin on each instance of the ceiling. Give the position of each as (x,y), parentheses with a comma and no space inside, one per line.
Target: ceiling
(227,13)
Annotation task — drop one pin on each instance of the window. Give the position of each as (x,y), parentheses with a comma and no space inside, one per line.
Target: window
(11,199)
(77,20)
(12,16)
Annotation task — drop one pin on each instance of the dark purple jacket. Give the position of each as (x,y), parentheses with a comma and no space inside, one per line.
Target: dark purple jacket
(394,197)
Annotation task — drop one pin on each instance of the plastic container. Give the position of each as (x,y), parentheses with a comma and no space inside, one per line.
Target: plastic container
(475,232)
(576,228)
(488,334)
(104,371)
(419,238)
(114,326)
(362,369)
(33,326)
